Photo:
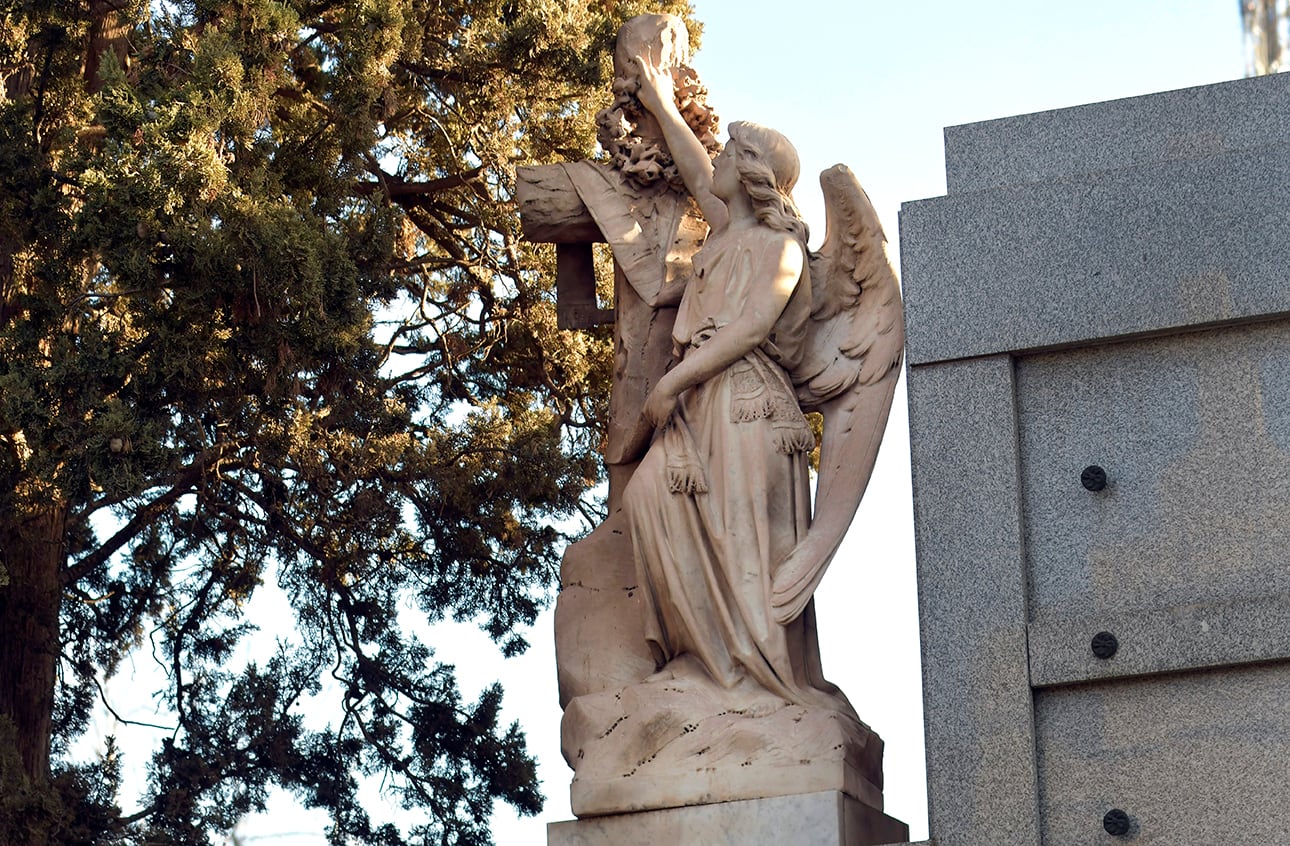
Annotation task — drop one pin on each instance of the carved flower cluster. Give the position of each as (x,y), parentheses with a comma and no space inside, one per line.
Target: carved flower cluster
(647,163)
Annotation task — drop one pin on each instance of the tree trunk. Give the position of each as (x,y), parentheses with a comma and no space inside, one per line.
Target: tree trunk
(33,552)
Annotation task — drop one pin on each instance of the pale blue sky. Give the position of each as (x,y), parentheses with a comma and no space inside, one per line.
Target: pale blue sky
(872,84)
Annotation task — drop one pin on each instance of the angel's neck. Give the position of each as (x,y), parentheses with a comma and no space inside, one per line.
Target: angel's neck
(742,214)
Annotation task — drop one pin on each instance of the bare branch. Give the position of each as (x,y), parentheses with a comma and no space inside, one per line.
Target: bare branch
(120,719)
(185,482)
(405,193)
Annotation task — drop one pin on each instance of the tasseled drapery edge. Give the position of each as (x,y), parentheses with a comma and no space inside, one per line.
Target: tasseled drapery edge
(792,437)
(750,397)
(761,389)
(746,411)
(684,472)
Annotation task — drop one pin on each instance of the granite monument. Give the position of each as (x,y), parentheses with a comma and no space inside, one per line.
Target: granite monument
(1099,366)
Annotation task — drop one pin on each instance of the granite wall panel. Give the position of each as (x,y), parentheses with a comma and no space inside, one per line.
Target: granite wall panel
(1107,285)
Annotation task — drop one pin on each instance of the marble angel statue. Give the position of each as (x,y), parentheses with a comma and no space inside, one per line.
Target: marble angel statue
(727,549)
(721,513)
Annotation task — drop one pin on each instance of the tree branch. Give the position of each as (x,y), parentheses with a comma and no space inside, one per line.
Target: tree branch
(426,72)
(109,31)
(185,481)
(406,193)
(120,719)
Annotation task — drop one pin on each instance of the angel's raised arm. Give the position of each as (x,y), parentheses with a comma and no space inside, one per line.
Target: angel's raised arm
(657,94)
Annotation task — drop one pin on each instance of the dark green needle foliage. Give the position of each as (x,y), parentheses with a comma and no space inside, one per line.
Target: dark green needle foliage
(266,321)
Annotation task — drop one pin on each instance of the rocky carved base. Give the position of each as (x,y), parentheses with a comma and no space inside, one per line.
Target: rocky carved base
(599,620)
(676,741)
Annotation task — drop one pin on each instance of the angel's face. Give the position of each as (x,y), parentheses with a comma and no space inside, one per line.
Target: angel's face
(725,176)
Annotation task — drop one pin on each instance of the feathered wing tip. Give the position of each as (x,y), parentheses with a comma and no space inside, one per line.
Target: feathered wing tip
(849,370)
(854,423)
(858,330)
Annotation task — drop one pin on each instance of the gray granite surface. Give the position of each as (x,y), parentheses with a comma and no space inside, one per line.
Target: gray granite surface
(1143,250)
(1194,759)
(972,609)
(1193,431)
(1107,285)
(827,818)
(1190,122)
(1162,640)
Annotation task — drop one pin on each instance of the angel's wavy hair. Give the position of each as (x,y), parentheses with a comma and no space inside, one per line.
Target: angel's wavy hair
(768,167)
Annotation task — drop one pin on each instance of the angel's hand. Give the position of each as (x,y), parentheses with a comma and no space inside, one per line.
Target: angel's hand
(660,404)
(656,86)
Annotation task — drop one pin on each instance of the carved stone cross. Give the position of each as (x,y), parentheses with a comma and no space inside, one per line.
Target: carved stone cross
(551,212)
(653,234)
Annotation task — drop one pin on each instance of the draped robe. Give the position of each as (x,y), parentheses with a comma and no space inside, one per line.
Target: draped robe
(723,495)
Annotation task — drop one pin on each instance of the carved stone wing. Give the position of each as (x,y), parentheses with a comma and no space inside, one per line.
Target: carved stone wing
(849,370)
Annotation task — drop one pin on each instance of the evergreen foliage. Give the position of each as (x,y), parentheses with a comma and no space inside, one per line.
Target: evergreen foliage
(265,315)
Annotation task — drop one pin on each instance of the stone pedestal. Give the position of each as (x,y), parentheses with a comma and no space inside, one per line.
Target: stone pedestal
(827,818)
(667,745)
(1099,364)
(599,619)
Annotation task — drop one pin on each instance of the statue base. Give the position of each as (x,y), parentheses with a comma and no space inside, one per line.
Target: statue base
(599,620)
(825,818)
(669,743)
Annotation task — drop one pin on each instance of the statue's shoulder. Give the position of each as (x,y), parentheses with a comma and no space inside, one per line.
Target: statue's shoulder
(765,244)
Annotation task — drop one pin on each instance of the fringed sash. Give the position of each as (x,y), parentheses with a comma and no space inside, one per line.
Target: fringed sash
(685,473)
(759,390)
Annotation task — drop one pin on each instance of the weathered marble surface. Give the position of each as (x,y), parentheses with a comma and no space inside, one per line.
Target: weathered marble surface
(826,818)
(695,676)
(653,229)
(599,618)
(689,746)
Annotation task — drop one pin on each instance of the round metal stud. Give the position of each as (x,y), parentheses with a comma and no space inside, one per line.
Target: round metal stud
(1093,478)
(1116,823)
(1104,645)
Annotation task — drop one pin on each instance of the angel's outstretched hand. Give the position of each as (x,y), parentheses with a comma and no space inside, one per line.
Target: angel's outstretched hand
(656,86)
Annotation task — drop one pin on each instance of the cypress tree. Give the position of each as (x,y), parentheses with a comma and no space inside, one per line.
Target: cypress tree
(266,318)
